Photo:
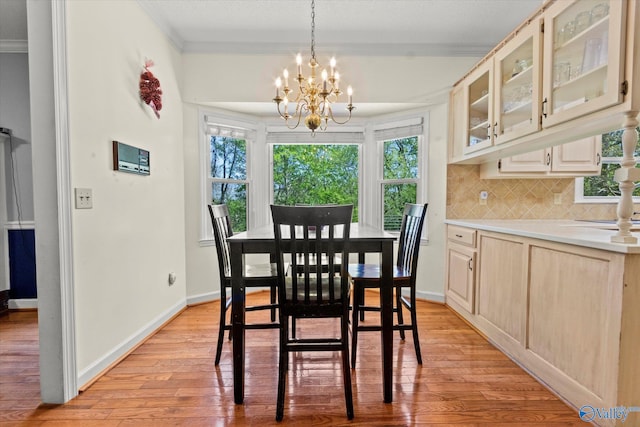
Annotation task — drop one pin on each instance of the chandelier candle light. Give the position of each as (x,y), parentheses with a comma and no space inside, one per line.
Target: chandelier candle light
(314,98)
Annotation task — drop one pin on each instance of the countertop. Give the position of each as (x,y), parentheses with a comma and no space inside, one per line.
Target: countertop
(581,233)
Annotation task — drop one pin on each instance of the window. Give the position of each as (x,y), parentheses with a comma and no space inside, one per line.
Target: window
(249,165)
(603,188)
(316,174)
(227,179)
(400,170)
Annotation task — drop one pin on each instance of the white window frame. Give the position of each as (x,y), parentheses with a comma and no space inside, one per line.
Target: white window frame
(224,124)
(260,172)
(343,135)
(579,196)
(397,129)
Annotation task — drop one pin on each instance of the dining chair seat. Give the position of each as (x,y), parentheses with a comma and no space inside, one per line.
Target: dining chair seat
(368,276)
(313,293)
(254,276)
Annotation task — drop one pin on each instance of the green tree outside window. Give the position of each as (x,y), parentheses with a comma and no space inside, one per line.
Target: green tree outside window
(316,174)
(400,179)
(604,184)
(229,177)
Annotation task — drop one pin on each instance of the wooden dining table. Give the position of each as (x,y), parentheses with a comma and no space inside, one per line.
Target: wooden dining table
(363,239)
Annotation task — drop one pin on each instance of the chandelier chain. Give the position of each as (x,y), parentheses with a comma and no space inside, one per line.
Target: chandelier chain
(315,95)
(313,29)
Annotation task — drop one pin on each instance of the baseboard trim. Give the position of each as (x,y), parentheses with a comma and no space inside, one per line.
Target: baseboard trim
(430,296)
(23,304)
(203,298)
(91,374)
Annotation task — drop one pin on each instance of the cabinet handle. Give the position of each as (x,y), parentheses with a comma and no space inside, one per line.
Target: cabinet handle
(598,159)
(548,159)
(495,130)
(544,108)
(459,236)
(469,264)
(489,131)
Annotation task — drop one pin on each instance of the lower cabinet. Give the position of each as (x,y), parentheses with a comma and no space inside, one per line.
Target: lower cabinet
(501,287)
(568,314)
(461,268)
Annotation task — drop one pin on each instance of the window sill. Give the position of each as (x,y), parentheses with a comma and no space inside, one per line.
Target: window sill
(603,200)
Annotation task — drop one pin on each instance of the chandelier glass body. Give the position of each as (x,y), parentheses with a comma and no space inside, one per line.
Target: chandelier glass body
(315,96)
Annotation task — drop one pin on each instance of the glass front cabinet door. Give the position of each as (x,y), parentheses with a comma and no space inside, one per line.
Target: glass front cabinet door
(517,85)
(479,108)
(583,69)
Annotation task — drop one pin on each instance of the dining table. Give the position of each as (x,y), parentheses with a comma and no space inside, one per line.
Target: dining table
(364,239)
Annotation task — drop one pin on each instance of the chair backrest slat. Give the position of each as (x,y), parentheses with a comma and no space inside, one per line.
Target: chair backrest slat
(304,237)
(410,234)
(221,231)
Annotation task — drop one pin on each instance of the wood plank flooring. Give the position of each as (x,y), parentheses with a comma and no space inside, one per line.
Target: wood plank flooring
(170,380)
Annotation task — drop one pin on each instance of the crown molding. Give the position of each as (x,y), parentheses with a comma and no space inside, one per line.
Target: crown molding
(14,46)
(354,49)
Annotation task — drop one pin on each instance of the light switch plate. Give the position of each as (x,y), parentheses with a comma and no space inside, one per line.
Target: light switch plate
(84,198)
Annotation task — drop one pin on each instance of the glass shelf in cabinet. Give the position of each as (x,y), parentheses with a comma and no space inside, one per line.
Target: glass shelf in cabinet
(520,77)
(482,125)
(517,107)
(484,99)
(575,42)
(586,78)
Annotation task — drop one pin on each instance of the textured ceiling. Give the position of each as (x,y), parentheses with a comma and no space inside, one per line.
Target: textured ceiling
(389,27)
(380,27)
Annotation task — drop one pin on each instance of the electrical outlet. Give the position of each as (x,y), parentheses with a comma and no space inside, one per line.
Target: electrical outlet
(84,198)
(557,198)
(483,197)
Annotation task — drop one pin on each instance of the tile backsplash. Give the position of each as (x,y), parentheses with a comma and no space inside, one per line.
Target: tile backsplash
(516,198)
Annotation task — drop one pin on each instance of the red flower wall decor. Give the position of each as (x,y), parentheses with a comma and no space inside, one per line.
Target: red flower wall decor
(150,91)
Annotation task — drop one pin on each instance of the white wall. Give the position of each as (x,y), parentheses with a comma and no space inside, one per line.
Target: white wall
(126,246)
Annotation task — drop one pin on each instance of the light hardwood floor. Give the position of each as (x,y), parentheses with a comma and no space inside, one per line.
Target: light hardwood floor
(171,380)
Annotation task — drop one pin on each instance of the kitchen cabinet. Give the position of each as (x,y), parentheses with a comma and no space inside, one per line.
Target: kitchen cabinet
(501,96)
(461,267)
(583,61)
(566,313)
(501,287)
(578,158)
(564,74)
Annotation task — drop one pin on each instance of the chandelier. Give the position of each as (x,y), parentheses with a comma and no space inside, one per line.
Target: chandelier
(314,97)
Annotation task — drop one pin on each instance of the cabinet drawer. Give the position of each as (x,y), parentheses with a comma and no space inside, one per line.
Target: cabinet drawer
(464,236)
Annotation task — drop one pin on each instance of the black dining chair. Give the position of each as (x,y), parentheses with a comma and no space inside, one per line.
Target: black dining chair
(367,276)
(311,290)
(255,275)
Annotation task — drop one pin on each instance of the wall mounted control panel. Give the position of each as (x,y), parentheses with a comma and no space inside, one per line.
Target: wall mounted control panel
(130,159)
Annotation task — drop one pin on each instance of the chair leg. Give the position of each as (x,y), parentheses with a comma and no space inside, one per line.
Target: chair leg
(414,327)
(222,328)
(282,366)
(354,323)
(399,310)
(346,372)
(361,297)
(293,328)
(274,292)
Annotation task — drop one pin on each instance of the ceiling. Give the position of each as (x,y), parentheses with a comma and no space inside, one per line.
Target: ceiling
(467,28)
(388,27)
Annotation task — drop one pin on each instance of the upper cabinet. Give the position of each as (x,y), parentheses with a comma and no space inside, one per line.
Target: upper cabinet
(578,158)
(583,67)
(501,95)
(566,62)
